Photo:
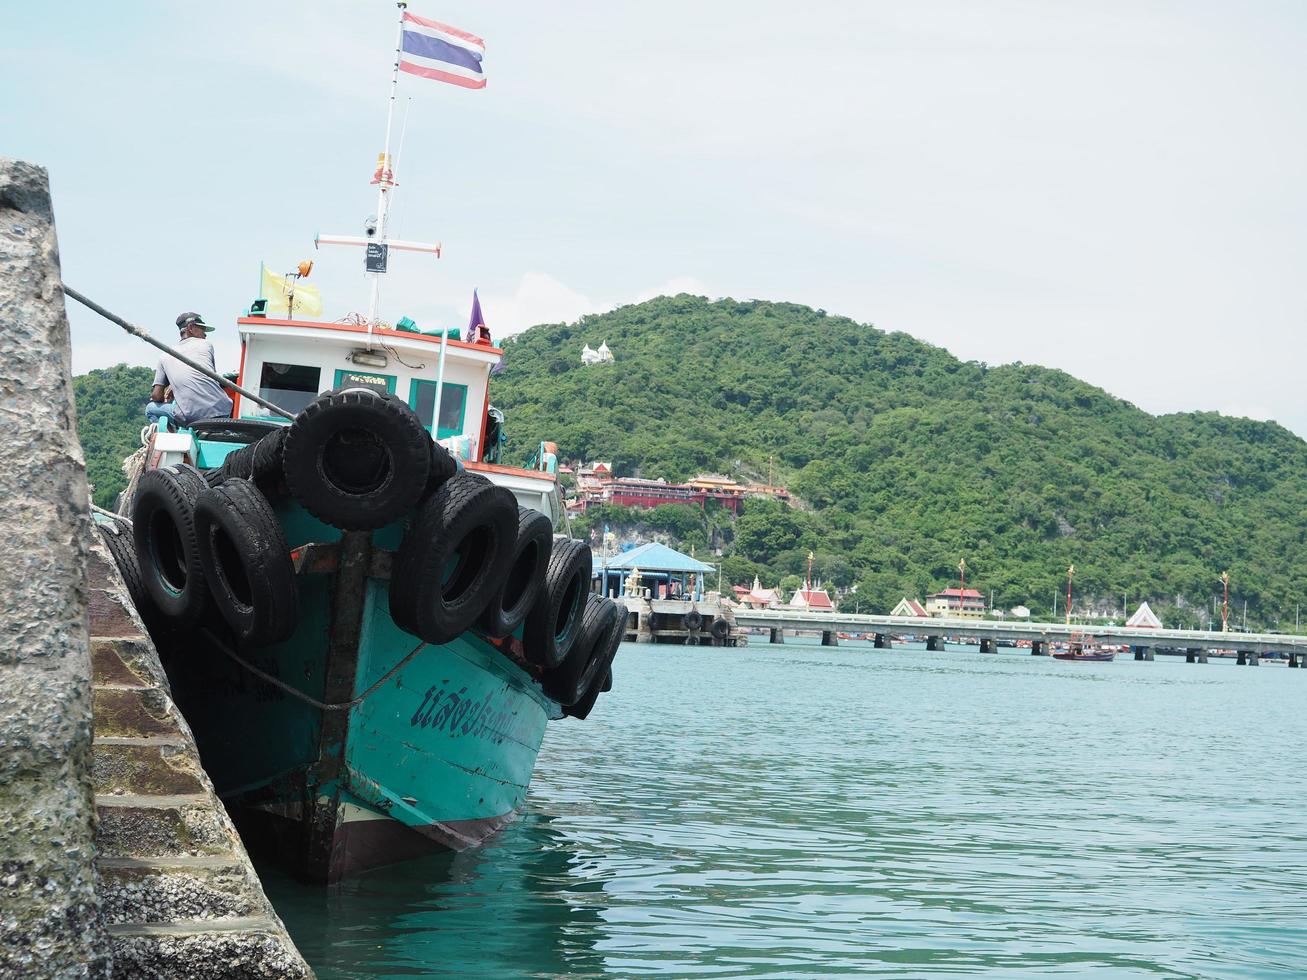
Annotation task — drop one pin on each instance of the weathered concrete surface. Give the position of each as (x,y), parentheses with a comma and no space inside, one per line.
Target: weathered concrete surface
(50,925)
(178,893)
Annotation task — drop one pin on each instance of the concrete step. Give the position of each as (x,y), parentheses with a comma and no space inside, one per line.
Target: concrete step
(134,711)
(161,826)
(144,766)
(242,950)
(216,894)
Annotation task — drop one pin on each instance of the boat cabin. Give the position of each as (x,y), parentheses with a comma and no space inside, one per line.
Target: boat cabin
(291,362)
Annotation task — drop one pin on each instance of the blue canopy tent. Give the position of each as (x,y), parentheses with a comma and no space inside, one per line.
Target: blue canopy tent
(658,564)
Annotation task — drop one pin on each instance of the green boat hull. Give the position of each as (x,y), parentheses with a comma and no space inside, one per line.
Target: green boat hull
(353,744)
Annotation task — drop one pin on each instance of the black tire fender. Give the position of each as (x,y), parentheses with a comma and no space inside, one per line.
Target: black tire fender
(357,459)
(603,678)
(453,558)
(692,619)
(117,538)
(516,592)
(585,662)
(246,562)
(555,620)
(163,529)
(443,467)
(720,629)
(265,462)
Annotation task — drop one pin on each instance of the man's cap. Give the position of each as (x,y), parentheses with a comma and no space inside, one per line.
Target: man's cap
(192,319)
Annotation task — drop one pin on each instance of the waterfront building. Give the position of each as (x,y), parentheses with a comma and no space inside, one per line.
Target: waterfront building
(956,602)
(910,607)
(1144,618)
(663,570)
(756,597)
(812,599)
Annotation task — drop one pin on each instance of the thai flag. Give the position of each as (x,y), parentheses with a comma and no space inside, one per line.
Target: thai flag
(434,50)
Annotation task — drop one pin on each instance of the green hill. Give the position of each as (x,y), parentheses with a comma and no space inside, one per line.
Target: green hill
(910,459)
(905,459)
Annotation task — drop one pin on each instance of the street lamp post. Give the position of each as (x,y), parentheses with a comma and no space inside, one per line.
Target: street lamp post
(1070,573)
(962,583)
(1225,602)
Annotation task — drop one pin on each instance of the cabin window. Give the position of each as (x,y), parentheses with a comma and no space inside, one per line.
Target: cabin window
(384,383)
(453,406)
(289,386)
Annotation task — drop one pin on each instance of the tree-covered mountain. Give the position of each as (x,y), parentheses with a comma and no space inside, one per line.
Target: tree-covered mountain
(904,458)
(110,415)
(909,459)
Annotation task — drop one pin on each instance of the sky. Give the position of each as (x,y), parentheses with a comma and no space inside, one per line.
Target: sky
(1112,188)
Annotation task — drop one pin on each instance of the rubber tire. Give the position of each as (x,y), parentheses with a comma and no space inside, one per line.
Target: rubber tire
(163,517)
(232,430)
(399,437)
(443,467)
(693,619)
(555,620)
(603,680)
(470,525)
(720,629)
(265,462)
(118,539)
(247,563)
(524,577)
(238,464)
(584,665)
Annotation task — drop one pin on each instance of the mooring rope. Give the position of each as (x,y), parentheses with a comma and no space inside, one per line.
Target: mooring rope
(295,692)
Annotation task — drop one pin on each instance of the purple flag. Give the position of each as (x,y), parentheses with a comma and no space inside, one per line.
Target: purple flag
(476,321)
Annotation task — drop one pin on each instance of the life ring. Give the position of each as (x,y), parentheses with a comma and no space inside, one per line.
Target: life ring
(357,459)
(720,629)
(453,558)
(163,528)
(516,592)
(585,662)
(693,619)
(554,621)
(246,562)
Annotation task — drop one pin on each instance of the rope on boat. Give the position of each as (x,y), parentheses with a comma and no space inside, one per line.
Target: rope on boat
(109,513)
(136,331)
(295,692)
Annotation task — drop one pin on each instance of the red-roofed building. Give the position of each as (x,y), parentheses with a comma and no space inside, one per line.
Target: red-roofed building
(910,607)
(812,600)
(956,602)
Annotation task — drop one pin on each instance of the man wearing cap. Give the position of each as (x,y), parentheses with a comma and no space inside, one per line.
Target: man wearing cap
(195,397)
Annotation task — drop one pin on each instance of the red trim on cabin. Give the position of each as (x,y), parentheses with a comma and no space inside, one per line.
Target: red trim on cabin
(509,470)
(256,321)
(240,380)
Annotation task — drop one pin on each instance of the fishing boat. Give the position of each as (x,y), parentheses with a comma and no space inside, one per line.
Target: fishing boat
(1082,647)
(366,614)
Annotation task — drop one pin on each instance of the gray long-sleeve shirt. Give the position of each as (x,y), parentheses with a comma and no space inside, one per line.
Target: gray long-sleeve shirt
(196,397)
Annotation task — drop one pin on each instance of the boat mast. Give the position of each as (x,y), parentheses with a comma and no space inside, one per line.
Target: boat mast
(385,175)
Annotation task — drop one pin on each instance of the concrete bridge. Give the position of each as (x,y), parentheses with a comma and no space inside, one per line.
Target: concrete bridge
(1195,644)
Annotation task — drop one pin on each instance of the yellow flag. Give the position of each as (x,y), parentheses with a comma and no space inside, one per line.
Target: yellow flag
(281,291)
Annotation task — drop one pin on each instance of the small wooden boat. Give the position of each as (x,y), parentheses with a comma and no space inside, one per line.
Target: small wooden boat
(1082,646)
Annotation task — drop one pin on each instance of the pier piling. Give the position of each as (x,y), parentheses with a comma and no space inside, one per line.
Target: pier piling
(829,639)
(935,643)
(986,646)
(1038,648)
(882,641)
(777,635)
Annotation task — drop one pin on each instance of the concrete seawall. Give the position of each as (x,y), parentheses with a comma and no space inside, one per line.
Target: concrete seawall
(116,857)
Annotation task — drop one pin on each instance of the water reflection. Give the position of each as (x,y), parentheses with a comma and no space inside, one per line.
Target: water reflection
(799,811)
(521,906)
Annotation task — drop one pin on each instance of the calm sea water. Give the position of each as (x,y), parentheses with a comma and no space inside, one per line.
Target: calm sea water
(790,811)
